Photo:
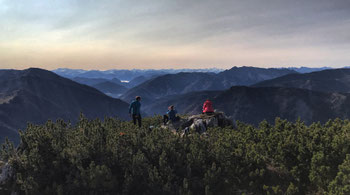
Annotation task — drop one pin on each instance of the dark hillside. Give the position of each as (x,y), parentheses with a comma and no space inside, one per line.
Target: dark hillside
(250,75)
(335,80)
(252,105)
(175,84)
(36,95)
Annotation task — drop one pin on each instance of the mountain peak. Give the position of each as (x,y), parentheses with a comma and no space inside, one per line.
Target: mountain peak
(38,72)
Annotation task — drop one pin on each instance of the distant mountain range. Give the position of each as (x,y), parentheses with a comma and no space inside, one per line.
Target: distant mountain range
(308,69)
(36,95)
(174,84)
(315,96)
(334,80)
(247,94)
(250,75)
(127,75)
(252,105)
(132,78)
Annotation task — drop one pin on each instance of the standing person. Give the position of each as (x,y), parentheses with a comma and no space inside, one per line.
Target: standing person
(135,110)
(208,107)
(171,115)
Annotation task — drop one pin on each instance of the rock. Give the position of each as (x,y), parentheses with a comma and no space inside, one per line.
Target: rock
(212,122)
(199,123)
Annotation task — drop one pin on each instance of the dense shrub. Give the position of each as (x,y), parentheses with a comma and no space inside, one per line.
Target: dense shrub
(116,157)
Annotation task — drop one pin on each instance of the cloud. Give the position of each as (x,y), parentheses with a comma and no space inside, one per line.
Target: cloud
(183,32)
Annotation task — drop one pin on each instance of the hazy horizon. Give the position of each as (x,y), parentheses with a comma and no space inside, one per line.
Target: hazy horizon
(199,68)
(105,34)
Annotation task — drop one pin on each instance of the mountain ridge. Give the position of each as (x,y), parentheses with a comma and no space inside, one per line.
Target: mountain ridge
(38,95)
(254,104)
(334,80)
(180,83)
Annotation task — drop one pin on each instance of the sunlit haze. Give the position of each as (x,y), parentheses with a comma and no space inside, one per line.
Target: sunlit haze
(113,34)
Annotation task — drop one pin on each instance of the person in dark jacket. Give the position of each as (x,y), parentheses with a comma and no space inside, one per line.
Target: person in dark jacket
(135,110)
(208,107)
(171,115)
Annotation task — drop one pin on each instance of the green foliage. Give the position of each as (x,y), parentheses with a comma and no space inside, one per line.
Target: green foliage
(341,183)
(116,157)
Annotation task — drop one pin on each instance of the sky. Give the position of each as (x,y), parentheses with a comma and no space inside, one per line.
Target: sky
(157,34)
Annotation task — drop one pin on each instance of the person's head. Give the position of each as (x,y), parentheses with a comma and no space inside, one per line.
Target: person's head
(138,98)
(171,107)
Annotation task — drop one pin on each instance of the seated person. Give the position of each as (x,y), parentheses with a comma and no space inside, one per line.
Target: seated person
(208,107)
(171,115)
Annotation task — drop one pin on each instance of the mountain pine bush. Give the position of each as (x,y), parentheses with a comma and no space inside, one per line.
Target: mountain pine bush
(116,157)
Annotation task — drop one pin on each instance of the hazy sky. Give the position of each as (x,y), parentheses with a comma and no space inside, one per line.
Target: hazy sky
(106,34)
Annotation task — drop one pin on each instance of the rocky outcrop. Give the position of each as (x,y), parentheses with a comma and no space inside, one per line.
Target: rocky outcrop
(199,123)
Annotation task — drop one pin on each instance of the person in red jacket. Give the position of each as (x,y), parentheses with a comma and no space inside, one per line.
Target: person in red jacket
(208,107)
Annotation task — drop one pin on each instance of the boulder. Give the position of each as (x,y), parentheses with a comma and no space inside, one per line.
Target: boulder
(199,123)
